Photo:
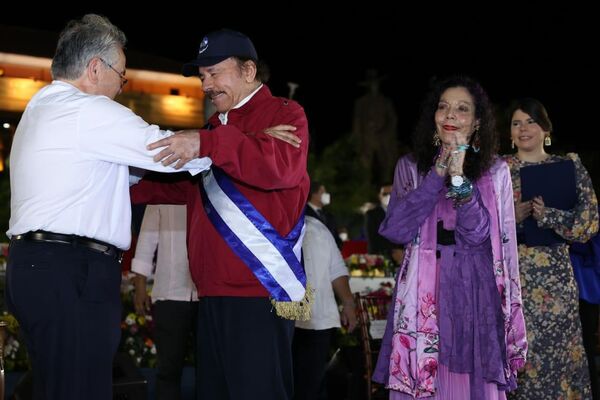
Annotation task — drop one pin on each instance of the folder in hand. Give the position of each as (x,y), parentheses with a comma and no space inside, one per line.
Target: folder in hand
(555,183)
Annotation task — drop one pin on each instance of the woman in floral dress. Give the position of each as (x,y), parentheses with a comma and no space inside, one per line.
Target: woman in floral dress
(556,366)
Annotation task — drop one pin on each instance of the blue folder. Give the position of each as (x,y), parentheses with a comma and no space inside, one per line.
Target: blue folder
(555,182)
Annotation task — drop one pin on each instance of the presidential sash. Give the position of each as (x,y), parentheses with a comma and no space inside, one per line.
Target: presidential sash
(274,260)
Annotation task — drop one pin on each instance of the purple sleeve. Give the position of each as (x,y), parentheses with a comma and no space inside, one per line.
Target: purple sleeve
(472,222)
(407,213)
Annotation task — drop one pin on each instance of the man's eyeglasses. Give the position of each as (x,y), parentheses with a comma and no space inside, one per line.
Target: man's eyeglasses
(121,74)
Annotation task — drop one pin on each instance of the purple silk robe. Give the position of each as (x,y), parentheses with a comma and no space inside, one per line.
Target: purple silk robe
(485,235)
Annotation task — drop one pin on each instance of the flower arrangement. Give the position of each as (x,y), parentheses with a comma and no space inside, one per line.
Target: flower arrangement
(3,256)
(15,353)
(369,265)
(386,289)
(136,331)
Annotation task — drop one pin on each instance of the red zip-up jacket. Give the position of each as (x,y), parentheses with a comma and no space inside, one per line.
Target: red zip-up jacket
(270,173)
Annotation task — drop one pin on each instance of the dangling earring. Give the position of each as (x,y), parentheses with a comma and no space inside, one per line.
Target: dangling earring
(512,144)
(436,139)
(476,142)
(547,141)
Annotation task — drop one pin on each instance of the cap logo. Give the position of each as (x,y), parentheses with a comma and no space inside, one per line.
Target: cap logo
(203,45)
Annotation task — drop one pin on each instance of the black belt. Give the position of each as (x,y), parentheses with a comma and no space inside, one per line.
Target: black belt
(74,240)
(445,237)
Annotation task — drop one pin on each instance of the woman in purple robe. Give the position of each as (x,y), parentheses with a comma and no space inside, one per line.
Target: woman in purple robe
(456,328)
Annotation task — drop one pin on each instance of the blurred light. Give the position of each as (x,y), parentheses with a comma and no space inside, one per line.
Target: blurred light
(177,105)
(6,125)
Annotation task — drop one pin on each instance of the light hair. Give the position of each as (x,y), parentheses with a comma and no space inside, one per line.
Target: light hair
(81,41)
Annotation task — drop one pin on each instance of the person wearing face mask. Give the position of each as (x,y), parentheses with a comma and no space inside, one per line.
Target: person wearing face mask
(456,328)
(317,200)
(343,234)
(376,243)
(557,366)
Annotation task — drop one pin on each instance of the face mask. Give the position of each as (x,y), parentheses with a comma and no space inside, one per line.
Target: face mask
(325,198)
(385,200)
(343,236)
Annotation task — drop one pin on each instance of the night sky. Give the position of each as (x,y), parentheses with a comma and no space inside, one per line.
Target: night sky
(513,50)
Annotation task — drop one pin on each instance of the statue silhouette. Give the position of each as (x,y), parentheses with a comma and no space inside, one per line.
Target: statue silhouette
(374,130)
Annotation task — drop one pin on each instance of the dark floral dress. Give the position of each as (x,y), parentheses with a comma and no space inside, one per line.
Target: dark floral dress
(556,366)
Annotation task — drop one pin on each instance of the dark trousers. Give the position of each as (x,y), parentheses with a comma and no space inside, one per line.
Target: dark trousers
(310,351)
(589,326)
(174,324)
(68,305)
(244,350)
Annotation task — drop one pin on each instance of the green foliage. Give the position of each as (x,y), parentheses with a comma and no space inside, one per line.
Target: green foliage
(15,353)
(339,169)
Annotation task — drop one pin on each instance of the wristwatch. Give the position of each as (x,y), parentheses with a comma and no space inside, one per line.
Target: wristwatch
(457,180)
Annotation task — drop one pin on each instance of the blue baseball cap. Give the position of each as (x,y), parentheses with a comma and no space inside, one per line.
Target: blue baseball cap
(218,46)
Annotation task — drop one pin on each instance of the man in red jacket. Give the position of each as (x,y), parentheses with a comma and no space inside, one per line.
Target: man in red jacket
(245,223)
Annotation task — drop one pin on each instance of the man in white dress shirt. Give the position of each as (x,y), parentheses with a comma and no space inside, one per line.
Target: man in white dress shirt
(71,212)
(327,274)
(174,296)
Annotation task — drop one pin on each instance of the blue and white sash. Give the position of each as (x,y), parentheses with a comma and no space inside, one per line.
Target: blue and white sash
(275,261)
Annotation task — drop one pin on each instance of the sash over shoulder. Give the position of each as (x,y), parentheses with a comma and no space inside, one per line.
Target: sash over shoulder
(274,260)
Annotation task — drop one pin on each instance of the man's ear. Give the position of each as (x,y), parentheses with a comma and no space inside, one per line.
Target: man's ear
(249,71)
(93,70)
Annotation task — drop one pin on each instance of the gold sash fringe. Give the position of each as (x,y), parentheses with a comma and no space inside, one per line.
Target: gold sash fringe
(296,310)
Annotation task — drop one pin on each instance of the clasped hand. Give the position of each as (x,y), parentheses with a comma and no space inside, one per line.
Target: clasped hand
(534,208)
(452,156)
(184,145)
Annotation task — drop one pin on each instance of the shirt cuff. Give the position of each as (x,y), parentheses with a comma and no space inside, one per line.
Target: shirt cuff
(198,165)
(336,275)
(142,267)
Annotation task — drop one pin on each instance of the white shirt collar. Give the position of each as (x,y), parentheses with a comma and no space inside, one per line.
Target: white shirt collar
(223,117)
(314,207)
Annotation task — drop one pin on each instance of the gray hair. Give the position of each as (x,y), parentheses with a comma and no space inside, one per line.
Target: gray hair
(81,41)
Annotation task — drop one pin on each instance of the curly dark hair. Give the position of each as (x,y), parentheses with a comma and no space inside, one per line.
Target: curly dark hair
(475,162)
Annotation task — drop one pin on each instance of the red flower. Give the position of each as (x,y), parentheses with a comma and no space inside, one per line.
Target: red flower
(404,341)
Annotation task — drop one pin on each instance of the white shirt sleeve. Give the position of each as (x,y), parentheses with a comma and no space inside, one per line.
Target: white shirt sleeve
(337,266)
(111,132)
(147,242)
(321,248)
